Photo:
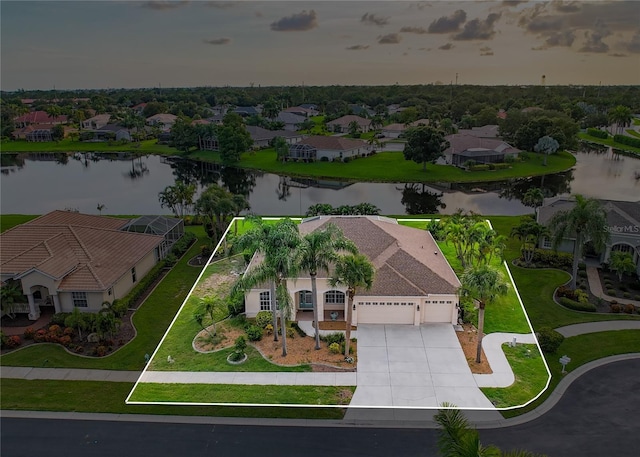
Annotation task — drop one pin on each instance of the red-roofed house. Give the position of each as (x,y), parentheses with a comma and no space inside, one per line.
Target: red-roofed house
(69,260)
(342,123)
(39,117)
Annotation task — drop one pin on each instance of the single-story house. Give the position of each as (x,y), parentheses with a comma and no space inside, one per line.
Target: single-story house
(464,147)
(70,260)
(96,122)
(247,111)
(139,108)
(413,283)
(333,148)
(165,121)
(302,111)
(623,221)
(341,125)
(312,109)
(361,110)
(290,120)
(486,131)
(395,130)
(106,132)
(39,117)
(262,137)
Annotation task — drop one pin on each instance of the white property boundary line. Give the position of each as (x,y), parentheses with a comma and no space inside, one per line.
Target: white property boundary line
(234,220)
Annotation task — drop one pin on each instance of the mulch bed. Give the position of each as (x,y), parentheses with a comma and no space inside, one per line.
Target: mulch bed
(469,342)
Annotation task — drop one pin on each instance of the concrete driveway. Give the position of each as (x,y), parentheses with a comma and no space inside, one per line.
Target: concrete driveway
(413,366)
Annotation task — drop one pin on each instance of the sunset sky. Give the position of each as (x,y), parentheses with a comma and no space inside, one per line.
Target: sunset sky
(113,44)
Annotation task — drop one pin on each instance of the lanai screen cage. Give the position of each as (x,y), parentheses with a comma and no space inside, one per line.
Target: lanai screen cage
(170,227)
(302,151)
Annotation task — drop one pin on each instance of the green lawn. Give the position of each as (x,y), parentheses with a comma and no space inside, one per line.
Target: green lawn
(392,167)
(151,321)
(583,349)
(633,133)
(608,142)
(237,393)
(8,221)
(80,396)
(530,377)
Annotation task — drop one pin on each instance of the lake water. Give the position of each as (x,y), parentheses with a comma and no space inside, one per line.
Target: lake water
(45,182)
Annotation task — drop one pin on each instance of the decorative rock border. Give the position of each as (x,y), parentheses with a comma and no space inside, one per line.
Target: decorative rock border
(237,362)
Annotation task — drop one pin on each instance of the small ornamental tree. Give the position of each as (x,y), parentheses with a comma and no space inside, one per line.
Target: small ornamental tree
(424,144)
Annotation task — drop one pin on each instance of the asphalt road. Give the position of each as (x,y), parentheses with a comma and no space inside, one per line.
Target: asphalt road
(597,416)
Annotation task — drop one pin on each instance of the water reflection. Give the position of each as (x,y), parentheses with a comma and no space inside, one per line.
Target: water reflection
(420,199)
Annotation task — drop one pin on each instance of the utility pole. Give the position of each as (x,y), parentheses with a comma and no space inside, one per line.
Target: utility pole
(456,78)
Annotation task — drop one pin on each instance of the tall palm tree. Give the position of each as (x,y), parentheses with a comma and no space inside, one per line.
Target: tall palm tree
(353,271)
(533,197)
(586,221)
(456,438)
(482,284)
(318,250)
(278,243)
(621,116)
(529,233)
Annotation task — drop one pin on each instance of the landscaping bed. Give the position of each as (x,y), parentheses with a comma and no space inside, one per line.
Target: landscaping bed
(468,339)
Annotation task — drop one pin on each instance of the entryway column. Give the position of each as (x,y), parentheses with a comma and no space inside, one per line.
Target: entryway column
(34,310)
(56,303)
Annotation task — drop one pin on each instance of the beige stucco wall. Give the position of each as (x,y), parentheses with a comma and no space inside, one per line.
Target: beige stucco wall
(94,302)
(124,284)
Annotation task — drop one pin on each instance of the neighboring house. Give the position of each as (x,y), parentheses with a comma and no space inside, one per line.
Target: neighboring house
(290,120)
(96,122)
(328,148)
(361,110)
(394,108)
(247,111)
(341,125)
(262,137)
(395,130)
(107,132)
(486,131)
(139,108)
(313,108)
(39,117)
(623,221)
(413,284)
(165,121)
(302,111)
(464,147)
(70,260)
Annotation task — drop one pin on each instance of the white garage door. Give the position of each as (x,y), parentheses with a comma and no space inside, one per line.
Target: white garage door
(387,312)
(438,312)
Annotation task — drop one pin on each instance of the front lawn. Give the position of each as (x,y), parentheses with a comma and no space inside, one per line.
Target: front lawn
(530,377)
(392,167)
(608,142)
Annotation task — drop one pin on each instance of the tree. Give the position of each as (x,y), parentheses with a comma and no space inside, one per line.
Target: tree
(100,207)
(621,263)
(621,116)
(10,295)
(424,144)
(76,320)
(178,198)
(483,284)
(586,221)
(529,233)
(207,310)
(318,250)
(183,136)
(218,207)
(57,132)
(353,128)
(233,139)
(533,197)
(270,109)
(281,147)
(278,243)
(546,145)
(352,271)
(456,438)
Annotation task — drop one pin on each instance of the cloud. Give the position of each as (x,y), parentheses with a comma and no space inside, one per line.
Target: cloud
(566,7)
(542,24)
(593,42)
(486,51)
(357,47)
(391,38)
(565,38)
(220,5)
(296,22)
(218,41)
(616,54)
(478,29)
(408,29)
(447,24)
(161,5)
(633,46)
(446,47)
(372,19)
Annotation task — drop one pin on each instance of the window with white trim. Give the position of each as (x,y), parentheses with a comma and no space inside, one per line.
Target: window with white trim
(546,243)
(265,301)
(79,299)
(334,297)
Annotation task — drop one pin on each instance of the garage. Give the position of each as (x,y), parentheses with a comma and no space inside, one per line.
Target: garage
(438,311)
(385,312)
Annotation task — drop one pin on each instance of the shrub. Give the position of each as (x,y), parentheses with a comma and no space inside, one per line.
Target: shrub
(342,347)
(119,308)
(40,336)
(101,351)
(269,329)
(291,333)
(636,297)
(299,331)
(549,340)
(59,318)
(612,292)
(615,308)
(170,260)
(254,333)
(324,159)
(55,330)
(346,159)
(182,245)
(134,294)
(577,306)
(29,332)
(479,167)
(65,340)
(68,331)
(629,308)
(334,348)
(499,166)
(626,295)
(263,318)
(240,345)
(628,140)
(336,337)
(510,159)
(552,259)
(597,133)
(582,274)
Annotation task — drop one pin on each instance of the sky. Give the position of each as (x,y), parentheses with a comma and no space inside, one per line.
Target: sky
(175,43)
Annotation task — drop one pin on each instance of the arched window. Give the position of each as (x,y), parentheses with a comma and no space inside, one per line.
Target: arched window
(622,247)
(305,300)
(334,297)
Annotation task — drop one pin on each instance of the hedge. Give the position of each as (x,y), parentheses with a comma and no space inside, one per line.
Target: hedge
(577,306)
(628,140)
(479,167)
(135,293)
(549,340)
(598,133)
(552,258)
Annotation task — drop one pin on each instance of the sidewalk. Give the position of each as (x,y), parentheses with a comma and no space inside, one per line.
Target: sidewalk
(502,375)
(251,378)
(593,327)
(68,374)
(596,288)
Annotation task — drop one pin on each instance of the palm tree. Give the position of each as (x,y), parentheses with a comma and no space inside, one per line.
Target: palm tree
(529,233)
(533,197)
(621,116)
(587,221)
(482,284)
(318,250)
(353,271)
(456,438)
(281,147)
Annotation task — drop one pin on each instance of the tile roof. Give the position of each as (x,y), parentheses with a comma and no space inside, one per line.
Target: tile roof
(346,120)
(461,142)
(408,261)
(41,117)
(619,213)
(83,252)
(336,143)
(259,133)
